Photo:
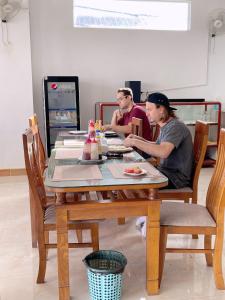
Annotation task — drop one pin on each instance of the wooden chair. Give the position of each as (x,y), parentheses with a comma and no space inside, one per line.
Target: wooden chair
(156,132)
(155,161)
(200,146)
(39,147)
(44,213)
(137,129)
(41,160)
(183,218)
(137,126)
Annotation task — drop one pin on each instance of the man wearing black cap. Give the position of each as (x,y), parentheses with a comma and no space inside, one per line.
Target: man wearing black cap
(174,145)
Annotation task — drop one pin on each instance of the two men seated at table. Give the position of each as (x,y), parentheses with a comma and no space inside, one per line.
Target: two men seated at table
(174,145)
(122,117)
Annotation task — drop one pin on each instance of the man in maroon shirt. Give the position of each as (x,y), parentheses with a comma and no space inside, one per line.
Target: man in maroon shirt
(121,121)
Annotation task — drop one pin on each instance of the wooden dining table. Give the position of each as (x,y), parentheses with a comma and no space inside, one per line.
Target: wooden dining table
(148,206)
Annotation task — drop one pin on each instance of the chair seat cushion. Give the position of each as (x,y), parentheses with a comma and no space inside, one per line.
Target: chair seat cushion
(184,214)
(50,217)
(181,190)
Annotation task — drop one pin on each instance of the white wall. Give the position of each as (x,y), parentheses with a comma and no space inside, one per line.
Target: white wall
(16,99)
(104,59)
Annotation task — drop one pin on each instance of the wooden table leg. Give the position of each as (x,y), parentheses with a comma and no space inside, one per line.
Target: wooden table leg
(152,244)
(63,253)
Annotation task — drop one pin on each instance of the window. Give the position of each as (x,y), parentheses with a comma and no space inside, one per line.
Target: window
(129,14)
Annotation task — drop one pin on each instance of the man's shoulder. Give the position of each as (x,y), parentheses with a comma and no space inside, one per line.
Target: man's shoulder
(176,122)
(174,126)
(139,110)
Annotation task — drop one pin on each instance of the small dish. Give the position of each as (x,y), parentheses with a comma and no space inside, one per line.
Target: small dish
(143,172)
(119,149)
(110,134)
(78,132)
(92,161)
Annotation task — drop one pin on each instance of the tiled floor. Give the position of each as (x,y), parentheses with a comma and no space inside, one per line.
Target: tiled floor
(185,276)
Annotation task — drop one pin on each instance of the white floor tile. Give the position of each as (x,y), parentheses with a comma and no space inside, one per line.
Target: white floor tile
(186,277)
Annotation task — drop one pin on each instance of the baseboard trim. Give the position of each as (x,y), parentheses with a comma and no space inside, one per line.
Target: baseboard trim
(12,172)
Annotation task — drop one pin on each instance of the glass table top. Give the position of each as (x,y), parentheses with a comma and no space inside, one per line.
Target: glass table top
(107,177)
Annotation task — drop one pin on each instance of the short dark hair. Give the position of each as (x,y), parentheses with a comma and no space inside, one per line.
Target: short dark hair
(126,92)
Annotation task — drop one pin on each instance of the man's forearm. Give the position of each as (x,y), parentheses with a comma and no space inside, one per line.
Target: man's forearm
(122,129)
(149,147)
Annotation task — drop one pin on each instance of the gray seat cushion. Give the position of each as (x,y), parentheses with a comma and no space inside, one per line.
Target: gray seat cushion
(181,190)
(184,214)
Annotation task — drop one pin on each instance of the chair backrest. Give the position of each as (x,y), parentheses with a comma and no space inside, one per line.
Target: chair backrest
(137,126)
(33,173)
(215,199)
(156,131)
(200,146)
(38,146)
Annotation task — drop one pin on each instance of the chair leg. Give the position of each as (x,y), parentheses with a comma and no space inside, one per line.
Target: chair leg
(46,233)
(121,221)
(208,245)
(79,235)
(42,260)
(217,259)
(34,233)
(194,201)
(95,237)
(162,251)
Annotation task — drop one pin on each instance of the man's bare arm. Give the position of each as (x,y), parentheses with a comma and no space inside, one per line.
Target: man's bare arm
(163,150)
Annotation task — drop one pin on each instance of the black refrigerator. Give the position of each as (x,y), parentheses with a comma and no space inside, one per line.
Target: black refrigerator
(61,97)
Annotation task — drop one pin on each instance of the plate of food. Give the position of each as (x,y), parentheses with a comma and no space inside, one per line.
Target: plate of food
(92,161)
(78,132)
(134,171)
(109,133)
(119,149)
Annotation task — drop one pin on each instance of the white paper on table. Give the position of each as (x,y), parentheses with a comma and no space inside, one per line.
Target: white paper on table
(76,172)
(66,153)
(114,141)
(117,169)
(74,143)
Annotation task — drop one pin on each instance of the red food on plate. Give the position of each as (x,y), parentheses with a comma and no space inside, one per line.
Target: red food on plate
(134,170)
(129,170)
(137,170)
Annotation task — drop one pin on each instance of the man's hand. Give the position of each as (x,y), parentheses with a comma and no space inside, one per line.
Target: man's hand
(107,127)
(129,141)
(132,136)
(117,114)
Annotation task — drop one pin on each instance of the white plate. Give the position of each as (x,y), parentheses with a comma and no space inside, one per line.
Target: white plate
(119,149)
(110,134)
(143,172)
(92,161)
(78,132)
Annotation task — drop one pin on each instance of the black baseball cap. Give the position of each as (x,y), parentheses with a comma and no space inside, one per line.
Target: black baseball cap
(161,99)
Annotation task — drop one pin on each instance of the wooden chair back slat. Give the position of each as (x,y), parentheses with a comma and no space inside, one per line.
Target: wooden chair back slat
(156,132)
(137,126)
(215,200)
(33,172)
(199,147)
(38,145)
